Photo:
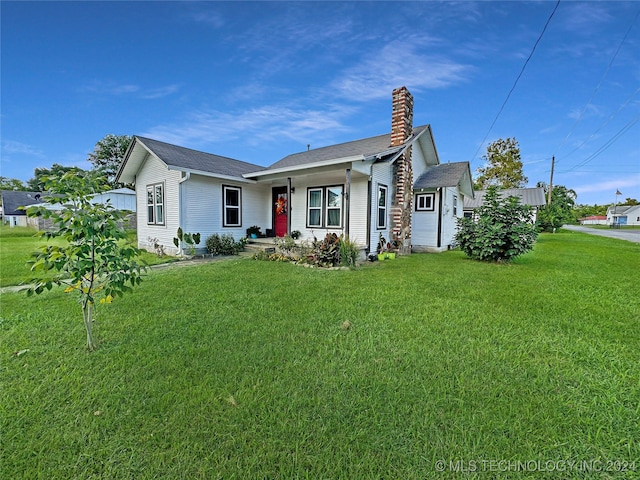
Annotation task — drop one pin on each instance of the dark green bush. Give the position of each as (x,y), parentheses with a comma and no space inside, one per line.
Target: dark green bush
(224,244)
(502,230)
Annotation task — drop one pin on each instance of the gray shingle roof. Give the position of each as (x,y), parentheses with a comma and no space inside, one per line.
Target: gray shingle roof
(11,200)
(194,160)
(366,147)
(621,209)
(443,175)
(528,196)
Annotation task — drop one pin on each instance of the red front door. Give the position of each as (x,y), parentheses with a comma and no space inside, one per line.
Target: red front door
(280,209)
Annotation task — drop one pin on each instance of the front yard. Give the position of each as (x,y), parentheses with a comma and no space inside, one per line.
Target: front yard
(248,369)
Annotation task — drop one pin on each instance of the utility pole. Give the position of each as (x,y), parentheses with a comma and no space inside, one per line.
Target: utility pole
(553,163)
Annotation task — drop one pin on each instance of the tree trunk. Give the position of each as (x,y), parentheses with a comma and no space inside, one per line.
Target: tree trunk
(87,313)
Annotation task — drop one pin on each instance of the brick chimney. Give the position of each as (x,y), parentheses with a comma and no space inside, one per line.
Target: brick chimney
(401,131)
(401,116)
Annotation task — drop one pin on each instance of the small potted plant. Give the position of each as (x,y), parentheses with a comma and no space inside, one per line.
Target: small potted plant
(382,244)
(296,234)
(385,249)
(253,231)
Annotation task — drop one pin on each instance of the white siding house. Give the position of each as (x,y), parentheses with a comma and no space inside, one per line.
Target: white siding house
(361,189)
(439,195)
(623,215)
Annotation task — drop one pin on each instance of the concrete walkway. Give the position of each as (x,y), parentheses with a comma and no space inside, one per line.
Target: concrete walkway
(620,234)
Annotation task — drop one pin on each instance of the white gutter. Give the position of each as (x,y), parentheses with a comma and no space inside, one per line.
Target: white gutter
(306,166)
(209,174)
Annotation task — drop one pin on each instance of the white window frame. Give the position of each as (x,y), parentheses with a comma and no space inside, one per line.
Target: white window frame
(421,199)
(226,206)
(154,205)
(339,208)
(325,207)
(315,208)
(382,208)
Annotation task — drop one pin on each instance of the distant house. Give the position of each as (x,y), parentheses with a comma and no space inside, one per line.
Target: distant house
(12,200)
(593,220)
(119,198)
(623,215)
(533,197)
(391,186)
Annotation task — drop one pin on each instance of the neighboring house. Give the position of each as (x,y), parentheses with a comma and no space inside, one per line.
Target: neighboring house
(533,197)
(12,200)
(623,215)
(119,198)
(363,189)
(593,220)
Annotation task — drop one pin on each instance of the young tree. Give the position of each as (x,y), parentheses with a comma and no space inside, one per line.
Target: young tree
(580,211)
(36,184)
(503,166)
(561,209)
(108,155)
(7,183)
(631,201)
(501,230)
(92,261)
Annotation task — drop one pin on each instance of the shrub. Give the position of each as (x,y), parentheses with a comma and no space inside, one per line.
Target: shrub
(349,252)
(224,244)
(334,250)
(503,229)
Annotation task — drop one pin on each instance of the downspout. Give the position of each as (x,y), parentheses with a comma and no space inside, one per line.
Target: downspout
(288,206)
(183,202)
(369,201)
(440,194)
(347,205)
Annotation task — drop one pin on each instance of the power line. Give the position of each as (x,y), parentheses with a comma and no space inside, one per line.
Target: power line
(579,119)
(516,82)
(606,122)
(606,145)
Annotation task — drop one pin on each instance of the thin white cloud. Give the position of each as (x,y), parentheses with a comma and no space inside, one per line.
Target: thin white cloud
(589,111)
(99,87)
(160,92)
(211,18)
(269,123)
(610,185)
(11,147)
(583,17)
(401,62)
(109,88)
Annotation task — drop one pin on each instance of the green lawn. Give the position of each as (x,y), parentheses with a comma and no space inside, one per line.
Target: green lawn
(245,369)
(17,244)
(607,227)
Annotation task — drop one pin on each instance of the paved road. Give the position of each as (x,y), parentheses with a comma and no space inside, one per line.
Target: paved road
(630,235)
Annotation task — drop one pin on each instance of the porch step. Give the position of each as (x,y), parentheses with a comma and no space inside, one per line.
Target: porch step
(260,245)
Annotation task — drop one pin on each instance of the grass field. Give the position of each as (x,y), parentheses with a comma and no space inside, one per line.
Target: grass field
(18,243)
(245,369)
(607,227)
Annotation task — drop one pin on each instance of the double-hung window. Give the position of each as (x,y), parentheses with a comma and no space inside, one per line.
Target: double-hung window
(455,205)
(231,206)
(424,202)
(155,204)
(324,207)
(381,222)
(314,202)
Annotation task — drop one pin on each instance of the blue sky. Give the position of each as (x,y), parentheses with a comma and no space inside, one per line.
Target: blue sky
(259,81)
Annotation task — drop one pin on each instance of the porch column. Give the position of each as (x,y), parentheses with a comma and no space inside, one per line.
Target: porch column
(347,194)
(288,205)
